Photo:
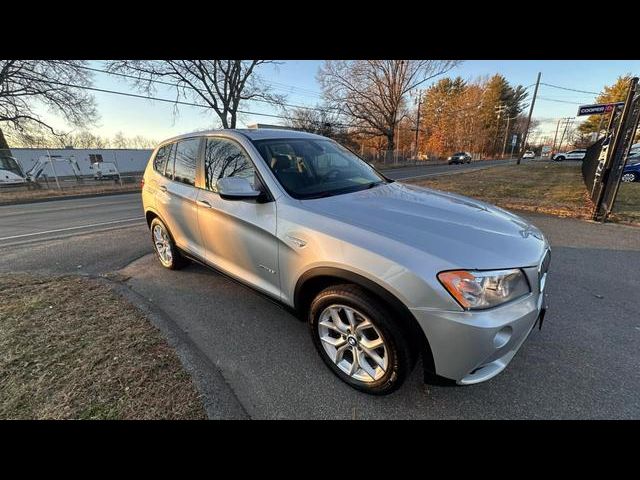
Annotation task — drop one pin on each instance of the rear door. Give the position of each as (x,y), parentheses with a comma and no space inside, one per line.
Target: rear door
(176,195)
(239,236)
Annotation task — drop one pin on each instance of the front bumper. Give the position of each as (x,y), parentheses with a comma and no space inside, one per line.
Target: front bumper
(474,346)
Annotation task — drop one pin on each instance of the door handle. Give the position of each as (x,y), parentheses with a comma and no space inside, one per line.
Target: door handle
(204,203)
(162,188)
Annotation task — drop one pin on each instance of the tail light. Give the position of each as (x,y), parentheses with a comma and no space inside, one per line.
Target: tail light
(142,182)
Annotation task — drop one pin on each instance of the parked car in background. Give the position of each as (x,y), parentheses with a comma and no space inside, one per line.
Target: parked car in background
(382,272)
(459,157)
(578,154)
(529,154)
(105,171)
(631,172)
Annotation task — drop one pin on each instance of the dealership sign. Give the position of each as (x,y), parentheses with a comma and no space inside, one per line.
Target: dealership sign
(598,109)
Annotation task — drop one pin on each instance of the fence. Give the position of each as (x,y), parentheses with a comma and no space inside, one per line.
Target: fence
(602,168)
(590,166)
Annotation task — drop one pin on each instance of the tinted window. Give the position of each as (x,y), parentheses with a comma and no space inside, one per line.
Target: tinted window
(310,168)
(225,158)
(160,159)
(185,162)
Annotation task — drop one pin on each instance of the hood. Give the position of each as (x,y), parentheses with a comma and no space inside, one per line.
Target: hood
(464,233)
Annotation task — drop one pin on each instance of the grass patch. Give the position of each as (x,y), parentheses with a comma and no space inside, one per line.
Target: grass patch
(71,348)
(10,196)
(552,188)
(627,206)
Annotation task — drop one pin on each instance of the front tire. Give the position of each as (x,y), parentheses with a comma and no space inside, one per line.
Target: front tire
(356,337)
(164,246)
(559,159)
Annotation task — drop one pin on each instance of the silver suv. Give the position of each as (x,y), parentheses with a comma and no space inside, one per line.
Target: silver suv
(383,272)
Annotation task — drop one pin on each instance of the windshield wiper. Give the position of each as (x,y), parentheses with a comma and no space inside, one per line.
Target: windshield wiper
(331,193)
(318,195)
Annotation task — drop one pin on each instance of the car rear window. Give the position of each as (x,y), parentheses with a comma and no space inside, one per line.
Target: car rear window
(186,159)
(160,160)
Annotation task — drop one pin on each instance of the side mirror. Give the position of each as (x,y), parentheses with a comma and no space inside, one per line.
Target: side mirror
(236,188)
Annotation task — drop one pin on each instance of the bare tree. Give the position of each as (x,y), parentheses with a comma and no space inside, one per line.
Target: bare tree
(219,84)
(372,93)
(58,85)
(322,120)
(314,120)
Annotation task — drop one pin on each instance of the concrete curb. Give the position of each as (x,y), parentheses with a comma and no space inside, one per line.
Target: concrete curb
(219,400)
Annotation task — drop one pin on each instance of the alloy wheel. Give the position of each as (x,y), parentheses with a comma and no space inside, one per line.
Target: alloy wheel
(162,242)
(353,343)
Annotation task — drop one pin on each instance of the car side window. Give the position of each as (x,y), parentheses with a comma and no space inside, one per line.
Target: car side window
(185,162)
(160,160)
(225,158)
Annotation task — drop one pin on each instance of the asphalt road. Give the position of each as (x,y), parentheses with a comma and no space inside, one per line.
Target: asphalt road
(36,222)
(43,221)
(583,364)
(434,170)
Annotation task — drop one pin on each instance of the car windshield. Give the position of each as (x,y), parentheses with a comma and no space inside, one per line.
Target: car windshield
(458,154)
(9,164)
(313,168)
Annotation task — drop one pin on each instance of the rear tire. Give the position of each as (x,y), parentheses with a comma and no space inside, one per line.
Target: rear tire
(359,339)
(164,246)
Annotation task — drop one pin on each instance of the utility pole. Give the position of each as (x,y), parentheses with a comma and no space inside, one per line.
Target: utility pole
(506,134)
(568,120)
(526,130)
(553,148)
(499,109)
(418,123)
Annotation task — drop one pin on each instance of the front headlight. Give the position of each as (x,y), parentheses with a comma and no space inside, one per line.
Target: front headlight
(477,290)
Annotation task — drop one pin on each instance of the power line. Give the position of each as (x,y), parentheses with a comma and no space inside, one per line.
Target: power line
(569,89)
(557,100)
(191,88)
(179,102)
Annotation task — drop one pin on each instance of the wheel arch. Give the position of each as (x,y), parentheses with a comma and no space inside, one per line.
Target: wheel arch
(150,214)
(317,279)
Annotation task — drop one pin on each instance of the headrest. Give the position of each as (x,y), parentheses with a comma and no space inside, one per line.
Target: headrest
(280,161)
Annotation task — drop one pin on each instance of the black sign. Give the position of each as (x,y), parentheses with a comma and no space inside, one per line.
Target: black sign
(598,109)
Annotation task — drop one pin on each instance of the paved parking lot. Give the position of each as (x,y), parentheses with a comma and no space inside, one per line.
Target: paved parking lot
(583,364)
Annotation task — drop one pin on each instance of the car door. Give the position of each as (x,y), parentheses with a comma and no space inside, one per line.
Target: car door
(176,196)
(239,236)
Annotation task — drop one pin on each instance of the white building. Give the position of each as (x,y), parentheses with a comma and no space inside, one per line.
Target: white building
(127,160)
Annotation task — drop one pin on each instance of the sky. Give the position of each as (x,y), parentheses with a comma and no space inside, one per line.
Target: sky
(297,80)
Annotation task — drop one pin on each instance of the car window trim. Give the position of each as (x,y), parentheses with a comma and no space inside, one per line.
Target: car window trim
(281,185)
(201,184)
(172,154)
(175,156)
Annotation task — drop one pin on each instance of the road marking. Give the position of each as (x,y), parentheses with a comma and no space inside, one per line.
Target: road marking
(71,228)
